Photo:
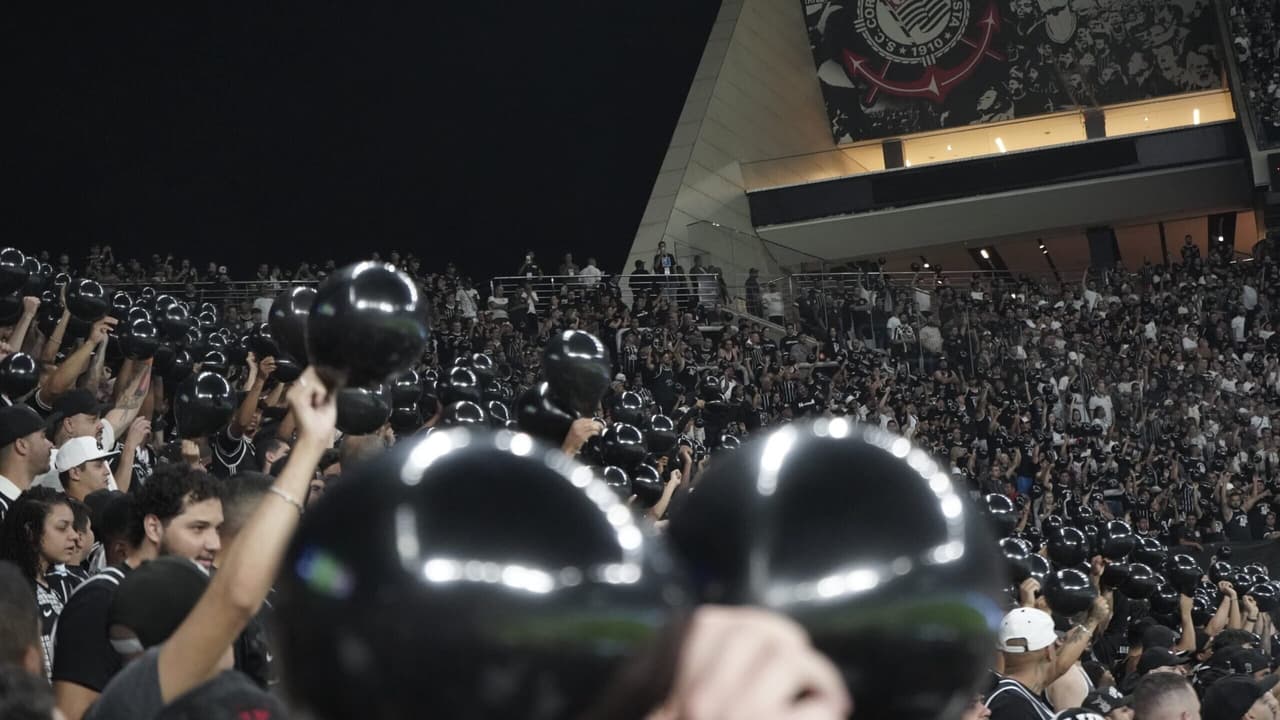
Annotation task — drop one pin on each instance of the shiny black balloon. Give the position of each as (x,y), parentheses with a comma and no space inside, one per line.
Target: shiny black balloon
(1051,523)
(140,340)
(405,388)
(1165,599)
(461,386)
(1039,568)
(463,412)
(362,410)
(498,413)
(1017,558)
(287,369)
(161,302)
(147,294)
(623,445)
(365,325)
(137,312)
(1184,573)
(405,418)
(262,343)
(482,366)
(630,409)
(288,319)
(1220,571)
(709,389)
(1115,575)
(1242,582)
(87,300)
(1266,595)
(37,278)
(798,521)
(1142,582)
(1067,546)
(728,442)
(481,581)
(1002,513)
(181,366)
(646,485)
(10,308)
(214,361)
(203,405)
(1149,552)
(1201,611)
(577,367)
(1255,569)
(13,270)
(542,416)
(1069,592)
(618,480)
(121,304)
(194,342)
(19,375)
(1117,540)
(661,435)
(1092,538)
(206,320)
(174,321)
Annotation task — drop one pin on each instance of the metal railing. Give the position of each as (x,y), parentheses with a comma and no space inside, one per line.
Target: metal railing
(234,291)
(705,289)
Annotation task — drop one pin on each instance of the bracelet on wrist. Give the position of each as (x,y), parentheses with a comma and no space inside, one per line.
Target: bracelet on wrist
(287,498)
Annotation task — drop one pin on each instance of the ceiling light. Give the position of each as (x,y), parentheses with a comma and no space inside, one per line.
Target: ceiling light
(1195,116)
(985,255)
(907,163)
(1000,145)
(948,148)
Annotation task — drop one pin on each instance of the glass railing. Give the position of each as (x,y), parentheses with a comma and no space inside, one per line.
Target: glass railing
(1035,133)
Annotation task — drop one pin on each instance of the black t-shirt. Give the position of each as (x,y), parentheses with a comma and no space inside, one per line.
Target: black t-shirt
(1011,700)
(83,654)
(231,454)
(1237,528)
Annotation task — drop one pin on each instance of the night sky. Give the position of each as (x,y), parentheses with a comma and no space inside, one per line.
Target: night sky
(274,132)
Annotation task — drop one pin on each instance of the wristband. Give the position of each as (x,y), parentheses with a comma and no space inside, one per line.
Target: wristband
(287,498)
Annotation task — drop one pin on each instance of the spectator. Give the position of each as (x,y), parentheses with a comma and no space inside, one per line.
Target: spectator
(530,267)
(38,536)
(24,453)
(1165,696)
(591,273)
(82,467)
(20,622)
(664,263)
(752,286)
(568,266)
(1237,698)
(773,305)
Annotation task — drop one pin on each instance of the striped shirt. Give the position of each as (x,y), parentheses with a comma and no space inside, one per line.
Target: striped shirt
(1011,700)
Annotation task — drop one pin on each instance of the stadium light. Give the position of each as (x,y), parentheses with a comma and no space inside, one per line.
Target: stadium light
(1000,145)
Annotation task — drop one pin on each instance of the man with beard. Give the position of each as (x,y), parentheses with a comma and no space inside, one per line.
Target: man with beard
(1200,74)
(177,512)
(1112,87)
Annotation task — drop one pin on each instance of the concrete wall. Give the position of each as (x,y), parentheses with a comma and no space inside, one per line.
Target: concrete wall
(754,96)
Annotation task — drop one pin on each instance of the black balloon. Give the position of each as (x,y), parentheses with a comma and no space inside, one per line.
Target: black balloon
(203,405)
(365,325)
(1017,558)
(1067,546)
(618,480)
(1039,568)
(623,445)
(1115,575)
(181,366)
(1183,573)
(288,319)
(214,361)
(87,300)
(646,484)
(1003,515)
(1069,592)
(1164,601)
(482,366)
(405,418)
(577,367)
(728,442)
(140,340)
(661,435)
(480,583)
(498,413)
(174,320)
(1266,595)
(11,309)
(1142,582)
(137,312)
(1149,552)
(799,521)
(121,304)
(1118,540)
(13,270)
(262,343)
(37,278)
(405,388)
(542,416)
(461,386)
(1221,571)
(287,369)
(630,409)
(19,375)
(463,412)
(362,410)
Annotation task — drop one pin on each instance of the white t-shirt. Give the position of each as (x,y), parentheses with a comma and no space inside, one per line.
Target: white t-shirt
(1237,328)
(590,274)
(772,303)
(498,307)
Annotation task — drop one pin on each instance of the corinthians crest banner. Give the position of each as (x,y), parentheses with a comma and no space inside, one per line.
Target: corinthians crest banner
(895,67)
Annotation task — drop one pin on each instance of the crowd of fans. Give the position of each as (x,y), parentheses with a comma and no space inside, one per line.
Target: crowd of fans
(1142,394)
(1257,48)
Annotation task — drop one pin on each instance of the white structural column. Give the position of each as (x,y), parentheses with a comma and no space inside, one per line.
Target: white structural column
(755,96)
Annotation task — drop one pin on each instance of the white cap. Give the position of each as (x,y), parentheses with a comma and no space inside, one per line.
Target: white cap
(1026,630)
(78,451)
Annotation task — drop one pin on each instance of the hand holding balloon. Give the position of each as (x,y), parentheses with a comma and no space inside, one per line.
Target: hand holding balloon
(580,431)
(315,410)
(1028,591)
(746,664)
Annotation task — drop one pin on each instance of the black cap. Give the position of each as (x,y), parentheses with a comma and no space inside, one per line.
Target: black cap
(1104,700)
(1230,698)
(1158,636)
(76,402)
(1247,661)
(154,600)
(1158,657)
(18,421)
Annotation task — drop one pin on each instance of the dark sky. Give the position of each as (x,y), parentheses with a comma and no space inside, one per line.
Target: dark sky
(275,131)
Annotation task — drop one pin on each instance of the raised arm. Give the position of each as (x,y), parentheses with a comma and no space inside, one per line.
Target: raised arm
(129,404)
(191,656)
(64,377)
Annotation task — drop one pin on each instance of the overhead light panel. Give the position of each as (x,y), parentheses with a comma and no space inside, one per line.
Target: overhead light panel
(1000,143)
